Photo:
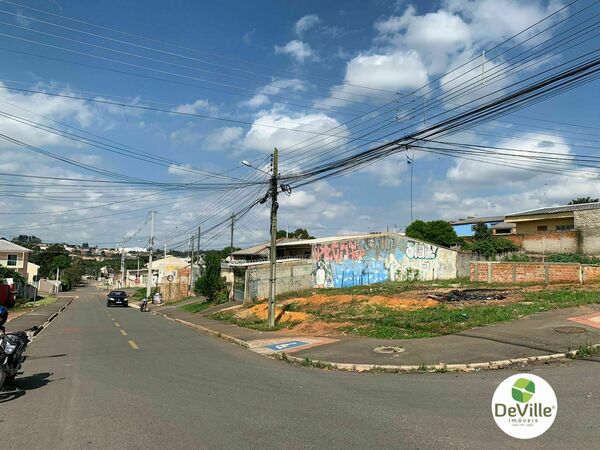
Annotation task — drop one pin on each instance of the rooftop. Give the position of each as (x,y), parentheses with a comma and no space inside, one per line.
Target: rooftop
(336,238)
(556,209)
(7,246)
(473,220)
(262,248)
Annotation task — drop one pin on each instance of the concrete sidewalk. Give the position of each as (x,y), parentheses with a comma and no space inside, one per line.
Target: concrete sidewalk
(532,338)
(39,316)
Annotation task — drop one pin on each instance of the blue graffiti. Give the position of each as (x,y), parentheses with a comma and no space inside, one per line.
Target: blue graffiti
(350,273)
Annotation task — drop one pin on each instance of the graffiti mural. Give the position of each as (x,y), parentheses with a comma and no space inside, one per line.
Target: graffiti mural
(420,250)
(356,262)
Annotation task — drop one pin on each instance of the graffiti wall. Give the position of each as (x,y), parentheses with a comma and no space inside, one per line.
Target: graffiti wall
(355,262)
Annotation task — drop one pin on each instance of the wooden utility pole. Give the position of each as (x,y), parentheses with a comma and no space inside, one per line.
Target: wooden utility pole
(192,265)
(149,280)
(231,243)
(273,249)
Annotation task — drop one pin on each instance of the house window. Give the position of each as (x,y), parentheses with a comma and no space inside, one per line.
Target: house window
(542,228)
(11,260)
(565,227)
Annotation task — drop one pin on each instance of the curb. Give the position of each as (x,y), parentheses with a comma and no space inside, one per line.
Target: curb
(428,368)
(360,368)
(52,317)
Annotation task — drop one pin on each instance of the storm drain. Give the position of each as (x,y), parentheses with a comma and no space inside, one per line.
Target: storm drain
(389,349)
(570,330)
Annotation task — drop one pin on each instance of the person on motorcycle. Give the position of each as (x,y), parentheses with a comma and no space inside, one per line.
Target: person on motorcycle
(3,316)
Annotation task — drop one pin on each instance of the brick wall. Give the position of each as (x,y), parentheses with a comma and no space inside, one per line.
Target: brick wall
(591,273)
(507,272)
(516,239)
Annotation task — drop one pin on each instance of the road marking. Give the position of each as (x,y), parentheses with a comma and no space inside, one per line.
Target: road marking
(117,324)
(133,345)
(123,332)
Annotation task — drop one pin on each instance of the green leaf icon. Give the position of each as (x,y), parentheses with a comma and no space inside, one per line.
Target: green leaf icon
(523,390)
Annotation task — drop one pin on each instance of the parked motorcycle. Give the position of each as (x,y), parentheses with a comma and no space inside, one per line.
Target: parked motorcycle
(144,305)
(12,347)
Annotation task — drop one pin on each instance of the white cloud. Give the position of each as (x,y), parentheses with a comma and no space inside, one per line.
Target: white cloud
(263,138)
(435,36)
(276,87)
(389,171)
(196,107)
(306,23)
(186,135)
(392,72)
(298,51)
(224,138)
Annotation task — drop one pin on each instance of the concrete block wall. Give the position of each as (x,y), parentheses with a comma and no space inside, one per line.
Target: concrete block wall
(550,242)
(292,275)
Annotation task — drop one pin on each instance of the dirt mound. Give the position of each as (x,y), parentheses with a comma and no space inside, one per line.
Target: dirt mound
(403,302)
(261,312)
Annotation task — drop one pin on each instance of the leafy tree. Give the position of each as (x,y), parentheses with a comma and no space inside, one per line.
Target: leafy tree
(437,232)
(211,285)
(299,233)
(6,272)
(85,245)
(51,258)
(481,231)
(577,201)
(71,276)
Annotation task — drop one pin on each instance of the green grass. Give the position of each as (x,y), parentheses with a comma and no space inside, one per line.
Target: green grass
(42,302)
(196,307)
(382,322)
(393,288)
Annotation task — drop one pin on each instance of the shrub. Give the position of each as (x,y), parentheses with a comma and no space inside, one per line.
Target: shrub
(211,285)
(489,247)
(573,258)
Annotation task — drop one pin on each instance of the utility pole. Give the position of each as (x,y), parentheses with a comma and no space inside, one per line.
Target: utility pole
(483,68)
(192,264)
(198,248)
(273,249)
(149,280)
(123,265)
(231,243)
(165,245)
(410,162)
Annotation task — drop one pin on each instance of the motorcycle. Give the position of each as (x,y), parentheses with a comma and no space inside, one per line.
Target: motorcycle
(12,347)
(144,305)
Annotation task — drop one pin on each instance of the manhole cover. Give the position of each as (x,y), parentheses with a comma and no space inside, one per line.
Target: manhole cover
(389,349)
(570,330)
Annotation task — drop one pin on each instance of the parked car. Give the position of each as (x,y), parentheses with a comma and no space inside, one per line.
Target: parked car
(117,298)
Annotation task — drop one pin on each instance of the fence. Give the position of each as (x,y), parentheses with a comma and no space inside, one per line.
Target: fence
(534,272)
(171,292)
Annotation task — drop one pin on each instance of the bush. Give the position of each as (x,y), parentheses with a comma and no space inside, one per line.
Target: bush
(437,232)
(211,285)
(573,258)
(491,246)
(517,257)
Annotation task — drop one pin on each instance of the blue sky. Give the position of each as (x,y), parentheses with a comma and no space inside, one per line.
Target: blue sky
(305,66)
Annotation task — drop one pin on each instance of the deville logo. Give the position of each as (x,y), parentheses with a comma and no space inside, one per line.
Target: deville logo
(523,390)
(524,406)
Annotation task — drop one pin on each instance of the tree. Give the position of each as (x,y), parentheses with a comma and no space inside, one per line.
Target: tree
(437,232)
(51,258)
(85,245)
(211,285)
(299,233)
(578,201)
(481,231)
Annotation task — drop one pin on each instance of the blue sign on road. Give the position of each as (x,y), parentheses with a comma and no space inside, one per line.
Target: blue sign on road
(286,345)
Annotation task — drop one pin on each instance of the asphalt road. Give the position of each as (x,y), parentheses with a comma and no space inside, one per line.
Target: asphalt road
(108,378)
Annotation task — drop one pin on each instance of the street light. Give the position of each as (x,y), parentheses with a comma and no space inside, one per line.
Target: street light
(247,164)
